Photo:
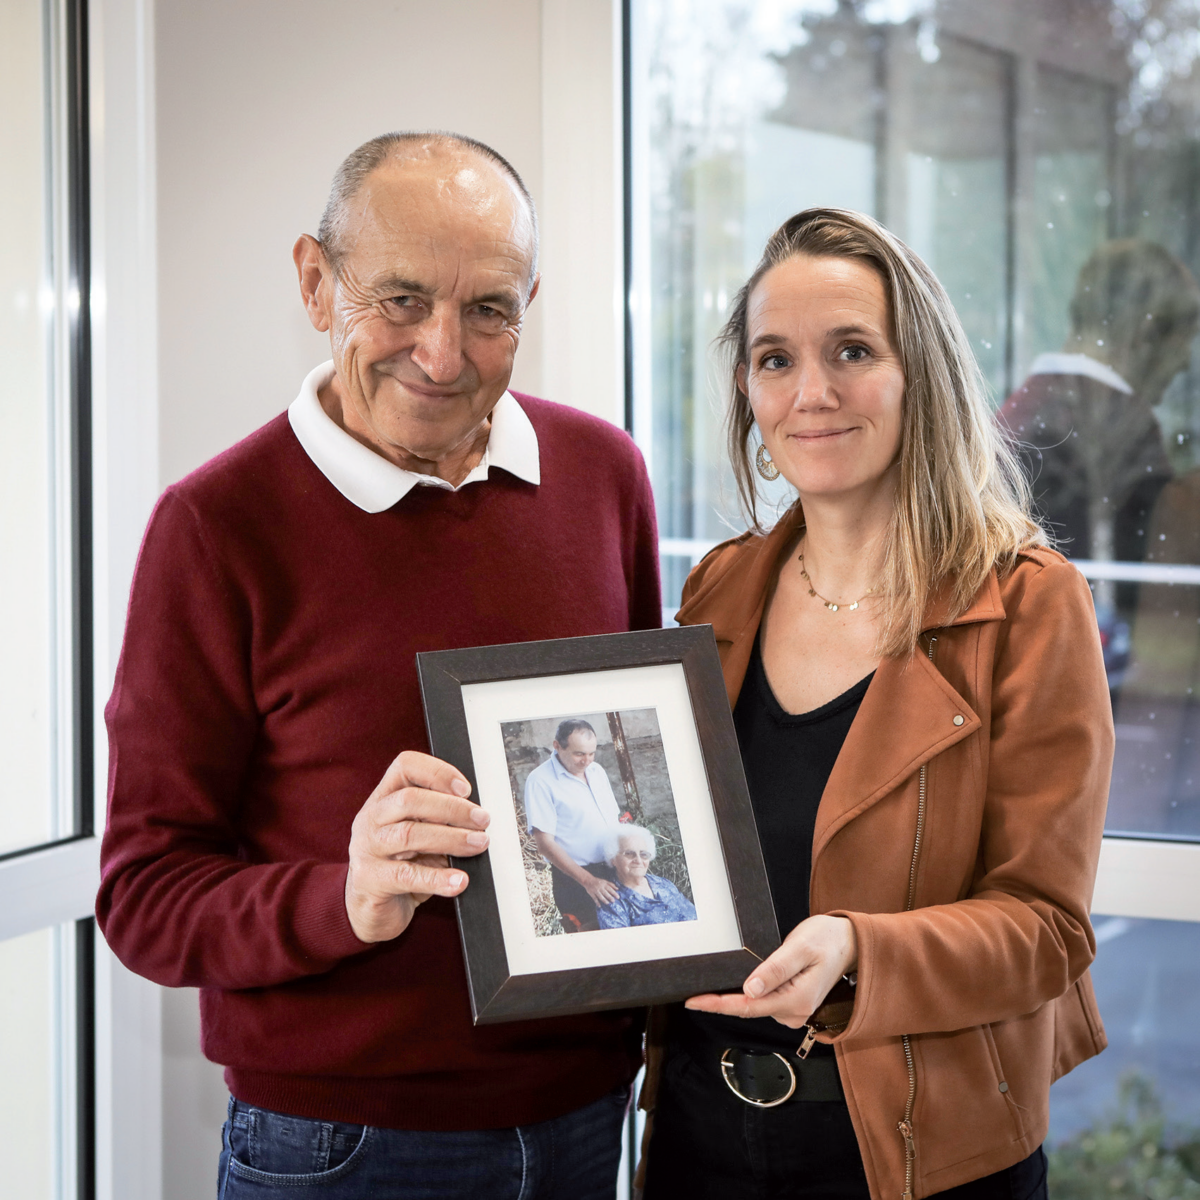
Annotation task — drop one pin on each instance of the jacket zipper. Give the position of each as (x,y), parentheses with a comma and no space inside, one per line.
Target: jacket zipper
(905,1127)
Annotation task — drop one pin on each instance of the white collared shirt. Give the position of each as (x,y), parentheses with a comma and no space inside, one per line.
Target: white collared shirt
(1059,363)
(374,484)
(579,812)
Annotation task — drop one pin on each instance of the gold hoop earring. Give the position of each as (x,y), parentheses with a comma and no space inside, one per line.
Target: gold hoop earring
(766,468)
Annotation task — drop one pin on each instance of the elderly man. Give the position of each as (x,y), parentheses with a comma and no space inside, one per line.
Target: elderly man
(571,811)
(276,835)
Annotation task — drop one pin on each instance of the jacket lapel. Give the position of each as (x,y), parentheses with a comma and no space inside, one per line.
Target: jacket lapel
(907,715)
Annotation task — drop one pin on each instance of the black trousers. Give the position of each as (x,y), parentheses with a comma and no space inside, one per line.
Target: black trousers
(575,906)
(707,1143)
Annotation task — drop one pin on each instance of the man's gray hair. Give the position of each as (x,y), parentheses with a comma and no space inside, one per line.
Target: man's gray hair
(612,843)
(358,164)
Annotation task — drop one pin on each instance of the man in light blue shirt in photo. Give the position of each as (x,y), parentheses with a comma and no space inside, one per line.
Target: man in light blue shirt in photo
(572,812)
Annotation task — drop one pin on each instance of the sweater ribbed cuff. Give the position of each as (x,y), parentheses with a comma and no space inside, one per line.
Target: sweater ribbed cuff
(321,926)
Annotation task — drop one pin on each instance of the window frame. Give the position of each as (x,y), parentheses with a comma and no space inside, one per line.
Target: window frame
(110,1097)
(66,58)
(52,885)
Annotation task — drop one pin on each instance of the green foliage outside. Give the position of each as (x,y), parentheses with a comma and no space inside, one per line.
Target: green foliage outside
(1130,1155)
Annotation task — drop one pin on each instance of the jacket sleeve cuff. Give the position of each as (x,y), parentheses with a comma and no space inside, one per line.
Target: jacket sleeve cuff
(863,932)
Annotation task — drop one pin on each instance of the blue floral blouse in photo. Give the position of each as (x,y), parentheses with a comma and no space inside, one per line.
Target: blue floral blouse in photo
(632,908)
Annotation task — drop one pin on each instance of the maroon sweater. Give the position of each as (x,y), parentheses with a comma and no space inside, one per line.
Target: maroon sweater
(266,680)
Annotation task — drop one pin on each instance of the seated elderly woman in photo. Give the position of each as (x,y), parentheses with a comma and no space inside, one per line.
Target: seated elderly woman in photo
(642,898)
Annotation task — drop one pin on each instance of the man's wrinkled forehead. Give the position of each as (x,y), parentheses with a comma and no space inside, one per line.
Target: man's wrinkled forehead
(442,199)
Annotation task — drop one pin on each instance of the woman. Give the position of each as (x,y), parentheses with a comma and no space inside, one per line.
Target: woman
(642,898)
(924,720)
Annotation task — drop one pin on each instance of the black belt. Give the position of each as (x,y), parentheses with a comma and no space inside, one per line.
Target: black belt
(766,1078)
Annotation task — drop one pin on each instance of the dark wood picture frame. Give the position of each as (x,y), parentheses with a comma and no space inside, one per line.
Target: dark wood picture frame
(496,994)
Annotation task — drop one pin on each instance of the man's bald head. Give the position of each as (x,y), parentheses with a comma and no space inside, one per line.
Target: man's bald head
(397,147)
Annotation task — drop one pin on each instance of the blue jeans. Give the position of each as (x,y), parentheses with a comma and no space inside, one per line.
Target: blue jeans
(269,1156)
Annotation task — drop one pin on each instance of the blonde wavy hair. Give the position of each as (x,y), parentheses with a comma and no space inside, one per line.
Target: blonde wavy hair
(963,505)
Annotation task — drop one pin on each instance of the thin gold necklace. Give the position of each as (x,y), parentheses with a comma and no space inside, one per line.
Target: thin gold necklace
(829,604)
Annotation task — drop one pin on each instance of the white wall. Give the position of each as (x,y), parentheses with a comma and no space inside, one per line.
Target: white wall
(255,106)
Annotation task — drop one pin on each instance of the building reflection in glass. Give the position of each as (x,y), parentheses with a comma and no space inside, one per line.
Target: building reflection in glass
(1044,157)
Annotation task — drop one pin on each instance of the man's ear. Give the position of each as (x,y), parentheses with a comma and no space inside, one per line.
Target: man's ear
(316,281)
(533,291)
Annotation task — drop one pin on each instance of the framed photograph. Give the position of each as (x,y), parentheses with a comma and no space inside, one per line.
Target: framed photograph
(624,866)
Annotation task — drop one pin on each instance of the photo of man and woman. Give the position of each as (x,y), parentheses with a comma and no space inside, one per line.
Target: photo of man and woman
(600,836)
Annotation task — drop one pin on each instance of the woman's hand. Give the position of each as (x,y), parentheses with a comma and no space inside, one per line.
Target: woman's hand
(792,982)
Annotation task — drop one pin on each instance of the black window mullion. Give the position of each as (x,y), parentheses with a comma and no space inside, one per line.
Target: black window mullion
(85,1059)
(78,185)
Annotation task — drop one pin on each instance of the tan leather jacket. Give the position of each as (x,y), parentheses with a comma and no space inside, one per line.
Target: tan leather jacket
(959,831)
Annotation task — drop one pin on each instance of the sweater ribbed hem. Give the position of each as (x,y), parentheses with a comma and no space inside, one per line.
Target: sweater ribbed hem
(428,1102)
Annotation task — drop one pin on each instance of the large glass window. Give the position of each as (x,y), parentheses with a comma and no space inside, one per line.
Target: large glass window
(1045,161)
(45,1046)
(27,1053)
(46,960)
(43,440)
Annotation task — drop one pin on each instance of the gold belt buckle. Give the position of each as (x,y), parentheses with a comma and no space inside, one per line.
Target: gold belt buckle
(727,1073)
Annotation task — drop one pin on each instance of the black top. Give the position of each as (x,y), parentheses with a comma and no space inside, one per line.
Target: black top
(788,759)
